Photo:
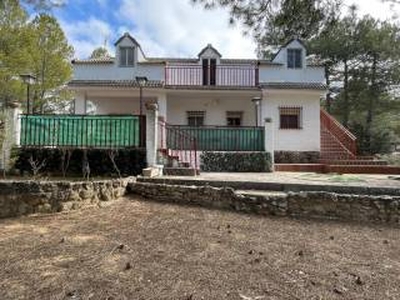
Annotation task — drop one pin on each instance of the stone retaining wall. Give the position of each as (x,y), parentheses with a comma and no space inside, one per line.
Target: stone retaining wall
(29,196)
(326,205)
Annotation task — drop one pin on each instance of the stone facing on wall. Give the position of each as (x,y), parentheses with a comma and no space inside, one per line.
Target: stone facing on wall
(286,157)
(325,205)
(29,196)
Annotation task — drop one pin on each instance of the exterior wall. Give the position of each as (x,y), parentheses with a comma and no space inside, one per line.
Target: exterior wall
(282,74)
(306,139)
(114,72)
(116,105)
(214,106)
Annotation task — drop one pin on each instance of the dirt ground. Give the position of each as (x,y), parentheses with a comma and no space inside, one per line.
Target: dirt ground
(146,250)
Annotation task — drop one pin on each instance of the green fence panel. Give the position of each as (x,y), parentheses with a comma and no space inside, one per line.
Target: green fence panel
(213,138)
(80,131)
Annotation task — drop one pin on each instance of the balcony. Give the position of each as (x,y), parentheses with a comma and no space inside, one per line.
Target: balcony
(219,76)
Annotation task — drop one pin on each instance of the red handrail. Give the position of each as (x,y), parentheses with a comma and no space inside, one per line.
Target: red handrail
(341,133)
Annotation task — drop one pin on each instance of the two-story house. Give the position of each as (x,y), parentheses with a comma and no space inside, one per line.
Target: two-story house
(210,91)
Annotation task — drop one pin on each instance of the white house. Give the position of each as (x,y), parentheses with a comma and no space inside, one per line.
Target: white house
(209,90)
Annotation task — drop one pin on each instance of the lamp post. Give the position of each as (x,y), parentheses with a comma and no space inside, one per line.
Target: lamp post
(28,79)
(257,104)
(142,83)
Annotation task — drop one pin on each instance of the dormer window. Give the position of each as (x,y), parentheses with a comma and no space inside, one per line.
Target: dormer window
(126,56)
(294,58)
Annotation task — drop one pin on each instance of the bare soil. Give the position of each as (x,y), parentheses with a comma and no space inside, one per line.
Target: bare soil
(146,250)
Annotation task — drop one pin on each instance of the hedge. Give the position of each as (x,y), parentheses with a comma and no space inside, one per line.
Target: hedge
(130,162)
(235,162)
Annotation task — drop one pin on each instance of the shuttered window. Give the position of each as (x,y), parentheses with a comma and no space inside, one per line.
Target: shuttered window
(290,117)
(234,118)
(195,118)
(127,56)
(294,58)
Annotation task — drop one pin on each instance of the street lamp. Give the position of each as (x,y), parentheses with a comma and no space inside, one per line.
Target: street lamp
(257,107)
(142,83)
(28,79)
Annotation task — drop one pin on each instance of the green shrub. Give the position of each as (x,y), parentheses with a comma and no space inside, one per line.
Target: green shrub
(235,162)
(130,162)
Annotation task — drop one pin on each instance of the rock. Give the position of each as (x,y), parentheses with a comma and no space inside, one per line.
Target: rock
(359,281)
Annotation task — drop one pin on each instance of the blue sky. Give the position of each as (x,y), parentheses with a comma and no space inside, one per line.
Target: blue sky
(174,28)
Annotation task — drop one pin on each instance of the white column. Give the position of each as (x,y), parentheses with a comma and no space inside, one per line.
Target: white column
(151,133)
(269,139)
(12,129)
(162,106)
(80,104)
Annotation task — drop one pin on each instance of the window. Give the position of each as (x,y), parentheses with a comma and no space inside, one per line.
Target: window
(290,117)
(126,56)
(294,58)
(234,118)
(195,118)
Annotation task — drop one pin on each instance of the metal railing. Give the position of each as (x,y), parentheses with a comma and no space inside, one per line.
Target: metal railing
(221,75)
(83,131)
(342,134)
(220,138)
(177,144)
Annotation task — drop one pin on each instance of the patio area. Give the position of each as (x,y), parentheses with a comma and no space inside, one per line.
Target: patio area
(297,178)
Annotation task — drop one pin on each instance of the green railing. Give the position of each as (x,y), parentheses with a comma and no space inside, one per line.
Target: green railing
(82,131)
(217,138)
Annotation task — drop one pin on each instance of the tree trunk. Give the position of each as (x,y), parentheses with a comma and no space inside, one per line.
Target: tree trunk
(346,110)
(328,95)
(371,101)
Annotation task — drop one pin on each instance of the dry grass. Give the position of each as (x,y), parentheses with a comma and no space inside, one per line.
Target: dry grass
(145,250)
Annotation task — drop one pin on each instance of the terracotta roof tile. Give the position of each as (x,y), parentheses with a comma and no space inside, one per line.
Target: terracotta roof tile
(294,85)
(90,61)
(115,83)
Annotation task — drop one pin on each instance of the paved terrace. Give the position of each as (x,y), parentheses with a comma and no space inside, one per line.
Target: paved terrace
(290,181)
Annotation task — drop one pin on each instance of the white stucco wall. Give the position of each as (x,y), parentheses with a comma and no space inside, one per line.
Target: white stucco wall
(114,72)
(282,74)
(306,139)
(215,107)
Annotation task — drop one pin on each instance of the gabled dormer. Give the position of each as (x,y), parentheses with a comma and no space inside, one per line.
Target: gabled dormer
(292,55)
(127,51)
(209,58)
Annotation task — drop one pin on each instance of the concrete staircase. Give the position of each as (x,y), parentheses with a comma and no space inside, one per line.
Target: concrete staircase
(339,153)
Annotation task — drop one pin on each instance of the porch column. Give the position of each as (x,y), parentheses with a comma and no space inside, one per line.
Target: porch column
(80,104)
(162,106)
(151,140)
(12,131)
(269,139)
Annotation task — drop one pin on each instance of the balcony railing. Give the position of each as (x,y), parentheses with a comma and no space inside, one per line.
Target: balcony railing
(220,75)
(82,131)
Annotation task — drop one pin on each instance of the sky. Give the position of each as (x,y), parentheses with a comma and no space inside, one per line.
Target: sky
(166,28)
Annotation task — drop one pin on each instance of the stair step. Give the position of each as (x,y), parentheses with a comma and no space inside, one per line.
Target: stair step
(357,162)
(180,171)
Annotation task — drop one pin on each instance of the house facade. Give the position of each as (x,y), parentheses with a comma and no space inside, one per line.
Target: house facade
(209,90)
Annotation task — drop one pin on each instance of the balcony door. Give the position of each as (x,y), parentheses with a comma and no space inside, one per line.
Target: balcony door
(209,71)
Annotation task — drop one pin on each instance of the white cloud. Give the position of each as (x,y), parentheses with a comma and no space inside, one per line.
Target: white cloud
(85,36)
(178,28)
(375,8)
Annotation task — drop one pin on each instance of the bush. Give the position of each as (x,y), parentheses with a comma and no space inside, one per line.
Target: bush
(130,162)
(235,162)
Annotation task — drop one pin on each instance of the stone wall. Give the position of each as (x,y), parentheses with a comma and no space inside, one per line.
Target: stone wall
(291,157)
(326,205)
(28,196)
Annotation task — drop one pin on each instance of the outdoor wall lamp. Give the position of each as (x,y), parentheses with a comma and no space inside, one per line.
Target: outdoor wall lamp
(141,80)
(28,79)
